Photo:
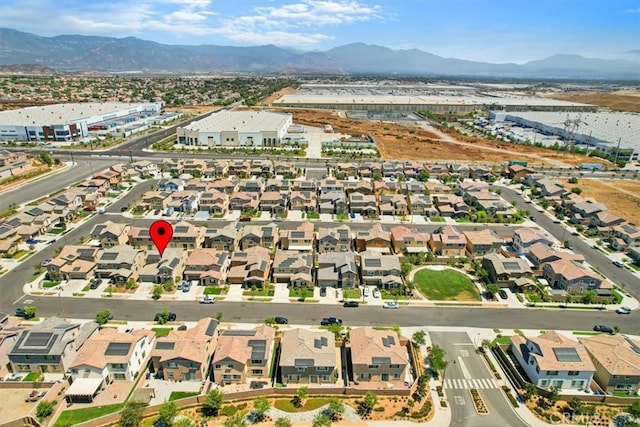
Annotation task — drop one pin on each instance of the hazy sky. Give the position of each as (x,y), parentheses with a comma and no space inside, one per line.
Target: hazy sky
(481,30)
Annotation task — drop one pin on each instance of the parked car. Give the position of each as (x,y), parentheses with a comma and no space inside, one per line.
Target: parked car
(20,312)
(352,304)
(182,328)
(618,264)
(31,241)
(186,286)
(89,208)
(124,208)
(623,310)
(365,291)
(281,320)
(172,317)
(46,262)
(95,284)
(207,299)
(603,328)
(532,218)
(32,396)
(352,215)
(503,294)
(323,291)
(390,304)
(376,293)
(331,321)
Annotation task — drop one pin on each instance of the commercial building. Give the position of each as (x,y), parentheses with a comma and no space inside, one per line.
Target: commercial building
(65,122)
(236,129)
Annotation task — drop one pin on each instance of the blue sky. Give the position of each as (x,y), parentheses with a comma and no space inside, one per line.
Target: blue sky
(480,30)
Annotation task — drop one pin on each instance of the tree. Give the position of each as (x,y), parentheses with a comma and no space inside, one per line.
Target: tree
(419,337)
(576,190)
(183,422)
(492,290)
(576,405)
(260,407)
(589,297)
(131,415)
(436,359)
(45,158)
(486,343)
(320,420)
(45,408)
(634,409)
(553,395)
(530,390)
(368,403)
(29,311)
(283,422)
(236,420)
(406,268)
(166,414)
(213,403)
(335,408)
(157,293)
(377,176)
(103,317)
(301,395)
(573,180)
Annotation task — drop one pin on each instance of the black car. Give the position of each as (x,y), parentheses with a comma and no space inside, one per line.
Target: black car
(603,328)
(281,320)
(20,312)
(172,317)
(124,208)
(331,321)
(95,284)
(354,304)
(323,292)
(503,294)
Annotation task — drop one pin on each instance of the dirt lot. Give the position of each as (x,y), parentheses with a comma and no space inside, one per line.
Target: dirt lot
(414,143)
(277,95)
(191,109)
(618,100)
(622,197)
(13,404)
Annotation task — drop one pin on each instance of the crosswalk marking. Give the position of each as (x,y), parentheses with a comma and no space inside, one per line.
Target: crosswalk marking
(465,384)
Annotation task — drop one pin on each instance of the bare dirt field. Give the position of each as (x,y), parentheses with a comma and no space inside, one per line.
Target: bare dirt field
(403,142)
(192,109)
(622,197)
(277,95)
(618,100)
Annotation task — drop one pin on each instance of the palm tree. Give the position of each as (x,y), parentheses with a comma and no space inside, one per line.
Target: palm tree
(301,395)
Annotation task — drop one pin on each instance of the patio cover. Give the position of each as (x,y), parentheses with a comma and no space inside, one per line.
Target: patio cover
(84,387)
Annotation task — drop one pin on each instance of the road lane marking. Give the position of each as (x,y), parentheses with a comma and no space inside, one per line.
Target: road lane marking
(18,300)
(463,368)
(459,400)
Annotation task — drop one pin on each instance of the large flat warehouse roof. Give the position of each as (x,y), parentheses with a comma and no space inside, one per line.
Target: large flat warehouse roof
(240,121)
(63,113)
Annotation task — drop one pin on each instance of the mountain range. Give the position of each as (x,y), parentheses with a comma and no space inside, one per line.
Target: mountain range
(130,54)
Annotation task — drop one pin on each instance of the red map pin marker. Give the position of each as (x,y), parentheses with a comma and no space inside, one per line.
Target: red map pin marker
(161,233)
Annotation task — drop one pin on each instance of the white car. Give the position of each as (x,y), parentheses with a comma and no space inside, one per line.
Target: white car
(623,310)
(390,304)
(365,291)
(207,299)
(376,293)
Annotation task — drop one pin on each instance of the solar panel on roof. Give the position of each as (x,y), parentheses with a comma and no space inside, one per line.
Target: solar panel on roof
(566,355)
(239,333)
(258,349)
(211,328)
(181,229)
(38,339)
(109,256)
(165,345)
(117,349)
(381,360)
(372,262)
(303,363)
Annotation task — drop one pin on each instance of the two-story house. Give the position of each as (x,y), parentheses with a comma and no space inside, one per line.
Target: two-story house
(214,201)
(572,276)
(405,240)
(524,238)
(119,263)
(363,204)
(163,269)
(302,238)
(448,242)
(617,362)
(482,242)
(377,355)
(505,271)
(274,201)
(551,359)
(421,204)
(74,262)
(337,239)
(376,238)
(185,355)
(306,201)
(266,236)
(250,267)
(244,201)
(309,357)
(50,346)
(222,239)
(111,234)
(380,270)
(333,202)
(393,204)
(625,236)
(110,355)
(293,268)
(244,355)
(337,269)
(207,266)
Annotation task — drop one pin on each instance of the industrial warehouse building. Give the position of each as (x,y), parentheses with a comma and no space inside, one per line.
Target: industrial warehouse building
(237,129)
(66,122)
(606,132)
(452,99)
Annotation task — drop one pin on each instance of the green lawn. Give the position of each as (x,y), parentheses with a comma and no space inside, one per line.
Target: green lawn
(585,333)
(212,290)
(504,340)
(56,231)
(176,395)
(299,293)
(264,292)
(446,285)
(33,376)
(342,217)
(385,294)
(313,215)
(309,404)
(161,332)
(351,293)
(77,416)
(437,219)
(50,284)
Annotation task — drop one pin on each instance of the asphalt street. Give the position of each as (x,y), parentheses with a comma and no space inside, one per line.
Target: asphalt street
(465,364)
(49,184)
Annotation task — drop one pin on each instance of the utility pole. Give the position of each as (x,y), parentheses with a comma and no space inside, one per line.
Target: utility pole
(131,156)
(615,161)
